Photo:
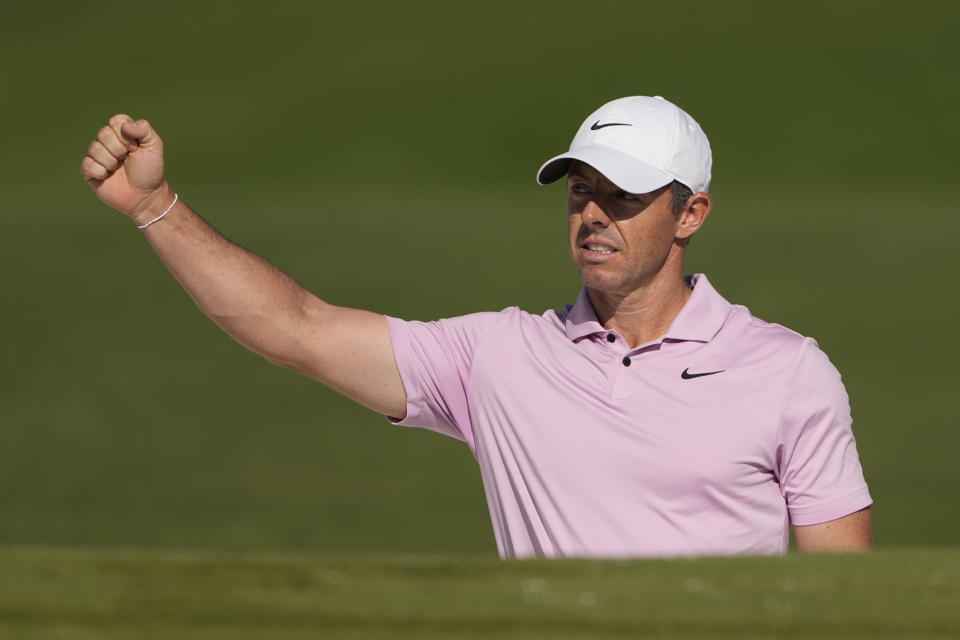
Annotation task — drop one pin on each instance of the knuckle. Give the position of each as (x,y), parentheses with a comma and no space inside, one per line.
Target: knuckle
(92,168)
(112,142)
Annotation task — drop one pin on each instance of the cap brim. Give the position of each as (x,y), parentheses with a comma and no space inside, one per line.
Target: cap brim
(628,173)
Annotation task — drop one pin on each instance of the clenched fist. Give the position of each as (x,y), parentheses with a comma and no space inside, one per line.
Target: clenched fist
(124,167)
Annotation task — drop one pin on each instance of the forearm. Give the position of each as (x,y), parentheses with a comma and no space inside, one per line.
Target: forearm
(252,300)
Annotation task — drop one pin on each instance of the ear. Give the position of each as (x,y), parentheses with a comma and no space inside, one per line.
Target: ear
(694,214)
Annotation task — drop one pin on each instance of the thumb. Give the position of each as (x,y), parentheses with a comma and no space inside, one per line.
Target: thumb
(141,132)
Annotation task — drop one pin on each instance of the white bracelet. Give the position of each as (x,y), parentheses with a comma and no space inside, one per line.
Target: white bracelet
(160,217)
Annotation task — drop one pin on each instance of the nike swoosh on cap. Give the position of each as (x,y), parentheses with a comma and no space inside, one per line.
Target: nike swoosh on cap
(596,125)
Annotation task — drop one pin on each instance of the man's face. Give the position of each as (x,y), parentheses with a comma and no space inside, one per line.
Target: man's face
(619,241)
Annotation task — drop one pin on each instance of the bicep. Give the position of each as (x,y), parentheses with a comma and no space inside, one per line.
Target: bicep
(350,351)
(849,533)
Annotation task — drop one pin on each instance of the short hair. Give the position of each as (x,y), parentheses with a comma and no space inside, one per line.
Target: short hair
(679,194)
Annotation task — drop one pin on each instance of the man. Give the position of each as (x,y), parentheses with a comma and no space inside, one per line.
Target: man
(652,417)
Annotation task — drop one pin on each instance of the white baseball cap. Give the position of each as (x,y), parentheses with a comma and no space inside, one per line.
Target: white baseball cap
(640,144)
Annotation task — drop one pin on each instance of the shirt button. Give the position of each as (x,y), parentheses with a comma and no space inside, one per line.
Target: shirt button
(611,337)
(626,361)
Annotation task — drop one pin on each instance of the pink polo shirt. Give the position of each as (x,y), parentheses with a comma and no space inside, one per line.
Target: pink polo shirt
(709,440)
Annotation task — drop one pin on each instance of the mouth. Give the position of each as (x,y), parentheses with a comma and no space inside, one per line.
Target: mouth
(596,252)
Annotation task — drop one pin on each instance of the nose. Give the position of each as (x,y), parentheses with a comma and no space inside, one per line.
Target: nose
(594,215)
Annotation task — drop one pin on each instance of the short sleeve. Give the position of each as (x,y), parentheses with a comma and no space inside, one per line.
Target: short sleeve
(818,466)
(435,360)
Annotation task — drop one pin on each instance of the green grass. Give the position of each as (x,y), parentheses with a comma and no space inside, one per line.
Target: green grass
(384,153)
(54,594)
(130,420)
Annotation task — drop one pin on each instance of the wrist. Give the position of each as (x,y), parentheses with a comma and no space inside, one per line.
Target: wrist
(159,200)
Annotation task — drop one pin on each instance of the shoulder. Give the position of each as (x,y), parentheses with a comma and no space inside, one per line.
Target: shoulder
(508,317)
(512,324)
(771,340)
(808,379)
(756,330)
(473,328)
(784,355)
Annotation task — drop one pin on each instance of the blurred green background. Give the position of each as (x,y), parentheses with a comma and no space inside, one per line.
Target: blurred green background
(384,155)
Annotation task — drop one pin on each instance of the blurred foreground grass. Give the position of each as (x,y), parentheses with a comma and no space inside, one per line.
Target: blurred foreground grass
(55,594)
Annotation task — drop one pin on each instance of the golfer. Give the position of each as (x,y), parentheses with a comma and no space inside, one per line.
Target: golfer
(649,418)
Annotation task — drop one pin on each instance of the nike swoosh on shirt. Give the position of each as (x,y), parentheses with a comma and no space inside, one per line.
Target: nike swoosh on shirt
(686,375)
(596,125)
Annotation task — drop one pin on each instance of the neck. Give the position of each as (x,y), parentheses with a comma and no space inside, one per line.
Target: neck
(644,313)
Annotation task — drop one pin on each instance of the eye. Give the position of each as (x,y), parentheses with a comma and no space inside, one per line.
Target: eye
(628,196)
(579,187)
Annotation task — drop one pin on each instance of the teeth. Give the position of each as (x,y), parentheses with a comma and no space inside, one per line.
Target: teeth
(599,248)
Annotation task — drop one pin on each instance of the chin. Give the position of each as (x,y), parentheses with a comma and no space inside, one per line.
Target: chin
(600,281)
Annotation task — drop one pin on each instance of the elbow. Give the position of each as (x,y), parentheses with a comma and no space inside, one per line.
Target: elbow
(263,335)
(283,337)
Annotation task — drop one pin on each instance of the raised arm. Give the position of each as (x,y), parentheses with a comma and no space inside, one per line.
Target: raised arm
(255,302)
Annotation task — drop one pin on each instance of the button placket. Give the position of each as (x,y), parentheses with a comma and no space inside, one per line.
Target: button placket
(625,377)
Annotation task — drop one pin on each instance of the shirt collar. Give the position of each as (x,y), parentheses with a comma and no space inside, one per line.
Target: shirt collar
(699,320)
